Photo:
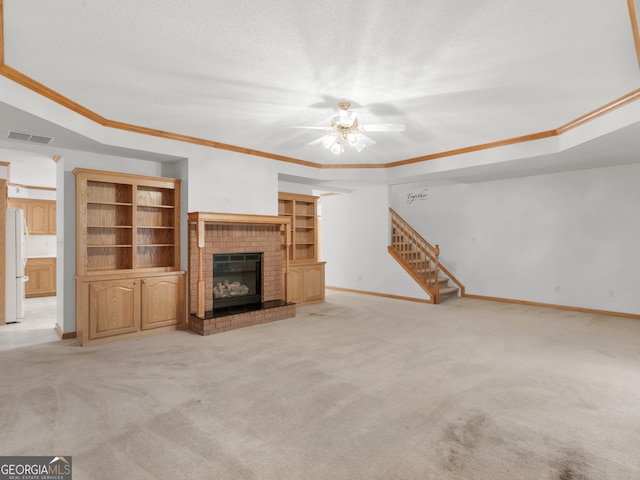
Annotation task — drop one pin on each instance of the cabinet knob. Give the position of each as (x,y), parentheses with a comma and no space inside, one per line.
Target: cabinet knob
(135,282)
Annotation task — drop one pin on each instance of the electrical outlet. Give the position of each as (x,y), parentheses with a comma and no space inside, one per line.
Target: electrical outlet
(359,277)
(558,289)
(612,293)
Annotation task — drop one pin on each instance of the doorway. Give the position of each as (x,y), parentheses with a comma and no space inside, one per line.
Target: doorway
(31,187)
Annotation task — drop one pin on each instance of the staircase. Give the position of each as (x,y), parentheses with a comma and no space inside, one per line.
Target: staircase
(420,259)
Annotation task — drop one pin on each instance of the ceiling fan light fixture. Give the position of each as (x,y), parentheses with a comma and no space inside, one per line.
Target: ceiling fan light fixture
(359,146)
(328,141)
(346,130)
(347,117)
(336,148)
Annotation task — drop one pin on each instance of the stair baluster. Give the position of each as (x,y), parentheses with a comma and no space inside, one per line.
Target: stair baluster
(420,259)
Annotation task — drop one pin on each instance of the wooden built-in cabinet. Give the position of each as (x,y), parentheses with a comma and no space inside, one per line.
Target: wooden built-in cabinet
(42,277)
(40,215)
(304,273)
(304,225)
(305,283)
(128,277)
(129,306)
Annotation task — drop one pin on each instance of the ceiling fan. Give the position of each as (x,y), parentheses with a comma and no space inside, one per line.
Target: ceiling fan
(345,130)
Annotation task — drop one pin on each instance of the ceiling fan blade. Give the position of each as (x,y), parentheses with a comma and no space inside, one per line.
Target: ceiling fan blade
(383,127)
(328,139)
(317,141)
(310,128)
(367,141)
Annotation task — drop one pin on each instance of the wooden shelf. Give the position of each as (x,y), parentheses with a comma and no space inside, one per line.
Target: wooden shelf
(110,203)
(105,245)
(110,226)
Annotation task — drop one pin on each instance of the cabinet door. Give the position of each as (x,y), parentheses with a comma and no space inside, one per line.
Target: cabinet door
(313,283)
(295,288)
(17,203)
(162,301)
(42,277)
(52,218)
(38,217)
(114,308)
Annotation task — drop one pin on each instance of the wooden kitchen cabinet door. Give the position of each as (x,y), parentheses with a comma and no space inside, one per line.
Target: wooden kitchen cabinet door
(42,277)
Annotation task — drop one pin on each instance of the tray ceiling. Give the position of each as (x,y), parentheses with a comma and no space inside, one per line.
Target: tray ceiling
(240,72)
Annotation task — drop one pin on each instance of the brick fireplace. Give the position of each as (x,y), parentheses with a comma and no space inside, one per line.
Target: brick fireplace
(215,234)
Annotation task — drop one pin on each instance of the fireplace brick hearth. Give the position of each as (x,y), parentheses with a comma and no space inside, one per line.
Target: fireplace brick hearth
(233,238)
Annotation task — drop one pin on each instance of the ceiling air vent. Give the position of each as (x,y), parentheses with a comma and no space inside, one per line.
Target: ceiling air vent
(28,137)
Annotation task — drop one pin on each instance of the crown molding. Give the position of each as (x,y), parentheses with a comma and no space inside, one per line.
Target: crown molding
(633,15)
(66,102)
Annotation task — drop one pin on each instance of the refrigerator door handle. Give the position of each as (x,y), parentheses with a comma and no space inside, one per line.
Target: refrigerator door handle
(25,253)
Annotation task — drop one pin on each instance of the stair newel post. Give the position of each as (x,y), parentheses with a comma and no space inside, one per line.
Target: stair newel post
(436,253)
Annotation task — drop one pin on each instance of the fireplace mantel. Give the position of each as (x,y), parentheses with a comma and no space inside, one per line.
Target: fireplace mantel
(201,219)
(238,219)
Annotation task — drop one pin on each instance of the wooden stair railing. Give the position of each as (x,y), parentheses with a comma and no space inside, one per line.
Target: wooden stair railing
(421,260)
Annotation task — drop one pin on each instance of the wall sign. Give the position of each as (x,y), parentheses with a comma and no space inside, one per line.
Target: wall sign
(412,196)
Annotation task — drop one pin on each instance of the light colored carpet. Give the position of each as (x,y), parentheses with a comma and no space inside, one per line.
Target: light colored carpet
(360,387)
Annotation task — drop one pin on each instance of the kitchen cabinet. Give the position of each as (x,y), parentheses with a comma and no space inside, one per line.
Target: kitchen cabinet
(40,215)
(52,218)
(42,277)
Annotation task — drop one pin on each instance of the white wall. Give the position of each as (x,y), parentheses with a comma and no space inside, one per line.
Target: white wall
(229,182)
(354,244)
(299,188)
(567,239)
(32,169)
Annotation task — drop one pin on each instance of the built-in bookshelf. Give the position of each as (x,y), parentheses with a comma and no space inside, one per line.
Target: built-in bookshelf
(127,255)
(304,225)
(126,223)
(304,273)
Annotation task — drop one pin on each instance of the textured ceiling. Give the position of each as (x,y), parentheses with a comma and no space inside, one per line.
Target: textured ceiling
(240,72)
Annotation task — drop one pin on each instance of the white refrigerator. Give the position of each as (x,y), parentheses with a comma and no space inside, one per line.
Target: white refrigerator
(17,241)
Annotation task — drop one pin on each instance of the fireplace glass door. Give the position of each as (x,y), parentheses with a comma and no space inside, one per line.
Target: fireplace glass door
(236,279)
